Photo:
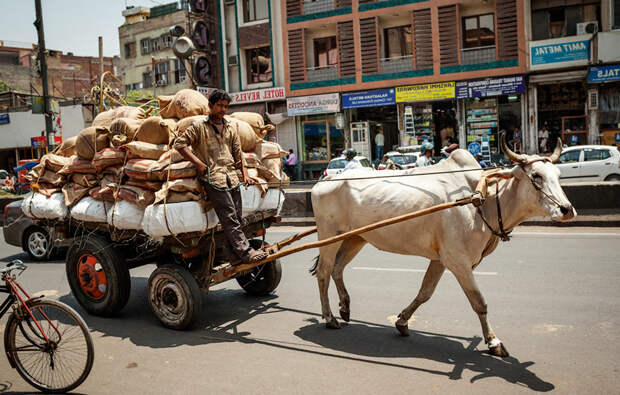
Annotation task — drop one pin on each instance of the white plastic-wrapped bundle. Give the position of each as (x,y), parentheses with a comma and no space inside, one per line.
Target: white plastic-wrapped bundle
(125,215)
(39,206)
(272,200)
(250,199)
(181,217)
(91,210)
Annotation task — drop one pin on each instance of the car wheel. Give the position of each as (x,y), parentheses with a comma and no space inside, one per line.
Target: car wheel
(613,177)
(36,243)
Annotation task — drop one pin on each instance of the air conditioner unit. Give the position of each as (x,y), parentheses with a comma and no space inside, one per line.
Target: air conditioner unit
(233,60)
(587,28)
(593,99)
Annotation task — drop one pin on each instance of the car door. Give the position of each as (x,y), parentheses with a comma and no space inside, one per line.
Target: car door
(595,165)
(568,163)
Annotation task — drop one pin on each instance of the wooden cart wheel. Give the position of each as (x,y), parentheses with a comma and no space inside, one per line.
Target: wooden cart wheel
(98,275)
(174,296)
(263,279)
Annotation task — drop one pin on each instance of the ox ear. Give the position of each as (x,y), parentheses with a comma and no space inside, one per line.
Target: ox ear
(515,171)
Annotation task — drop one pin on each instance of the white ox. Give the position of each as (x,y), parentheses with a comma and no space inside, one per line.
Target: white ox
(456,238)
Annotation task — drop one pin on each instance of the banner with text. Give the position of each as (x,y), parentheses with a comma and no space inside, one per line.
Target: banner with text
(259,95)
(560,52)
(495,86)
(318,104)
(380,97)
(425,92)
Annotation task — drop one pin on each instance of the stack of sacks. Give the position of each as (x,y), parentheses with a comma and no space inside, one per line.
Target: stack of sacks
(46,200)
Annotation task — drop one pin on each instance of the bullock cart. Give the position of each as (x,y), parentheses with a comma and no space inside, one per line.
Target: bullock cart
(100,257)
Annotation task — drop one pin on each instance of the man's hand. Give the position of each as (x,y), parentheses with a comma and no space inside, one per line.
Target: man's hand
(202,169)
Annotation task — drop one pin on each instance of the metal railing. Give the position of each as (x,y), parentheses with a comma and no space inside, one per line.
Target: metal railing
(478,55)
(396,64)
(322,73)
(312,7)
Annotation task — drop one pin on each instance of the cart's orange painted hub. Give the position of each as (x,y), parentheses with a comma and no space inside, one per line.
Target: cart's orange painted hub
(92,277)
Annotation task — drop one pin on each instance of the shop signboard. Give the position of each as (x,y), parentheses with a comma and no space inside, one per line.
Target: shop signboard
(37,142)
(560,52)
(474,148)
(4,119)
(259,95)
(425,92)
(318,104)
(380,97)
(604,73)
(487,87)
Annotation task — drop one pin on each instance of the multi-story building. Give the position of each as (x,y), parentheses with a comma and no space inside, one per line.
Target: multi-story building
(147,62)
(574,63)
(432,70)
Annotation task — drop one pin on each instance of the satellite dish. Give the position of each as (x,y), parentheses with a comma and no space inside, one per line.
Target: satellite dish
(183,47)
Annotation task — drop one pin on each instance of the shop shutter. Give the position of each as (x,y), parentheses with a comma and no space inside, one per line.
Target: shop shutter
(343,3)
(346,49)
(423,39)
(366,1)
(293,8)
(369,45)
(448,36)
(507,34)
(296,55)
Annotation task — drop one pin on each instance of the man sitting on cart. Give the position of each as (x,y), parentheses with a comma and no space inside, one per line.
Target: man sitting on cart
(217,155)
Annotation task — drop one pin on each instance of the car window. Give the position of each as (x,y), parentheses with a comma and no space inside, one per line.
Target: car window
(398,159)
(337,164)
(570,156)
(595,154)
(365,162)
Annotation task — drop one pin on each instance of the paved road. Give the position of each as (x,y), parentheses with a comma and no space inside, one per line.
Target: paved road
(553,295)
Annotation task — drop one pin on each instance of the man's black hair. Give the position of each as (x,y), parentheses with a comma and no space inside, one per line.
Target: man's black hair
(291,150)
(218,95)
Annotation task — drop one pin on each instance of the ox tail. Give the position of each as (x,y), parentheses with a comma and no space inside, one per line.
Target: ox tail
(312,270)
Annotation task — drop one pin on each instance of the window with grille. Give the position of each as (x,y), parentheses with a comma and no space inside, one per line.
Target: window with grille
(161,73)
(258,65)
(478,31)
(166,40)
(147,79)
(255,10)
(144,46)
(180,74)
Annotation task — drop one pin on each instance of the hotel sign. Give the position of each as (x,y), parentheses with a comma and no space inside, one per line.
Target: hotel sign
(260,95)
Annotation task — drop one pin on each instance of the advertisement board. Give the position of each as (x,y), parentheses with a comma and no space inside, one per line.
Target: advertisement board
(487,87)
(604,73)
(560,52)
(318,104)
(379,97)
(4,119)
(425,92)
(259,95)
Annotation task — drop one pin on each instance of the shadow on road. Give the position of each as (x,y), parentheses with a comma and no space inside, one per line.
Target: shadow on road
(224,310)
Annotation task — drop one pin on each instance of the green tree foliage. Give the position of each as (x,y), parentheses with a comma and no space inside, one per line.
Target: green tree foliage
(4,87)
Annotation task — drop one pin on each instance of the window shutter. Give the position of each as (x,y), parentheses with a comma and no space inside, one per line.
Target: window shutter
(369,45)
(448,36)
(343,3)
(296,55)
(423,39)
(293,8)
(507,34)
(346,49)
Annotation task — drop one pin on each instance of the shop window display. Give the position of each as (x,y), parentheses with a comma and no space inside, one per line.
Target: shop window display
(321,141)
(557,103)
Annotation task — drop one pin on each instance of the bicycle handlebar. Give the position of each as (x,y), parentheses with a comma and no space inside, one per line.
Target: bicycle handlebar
(13,265)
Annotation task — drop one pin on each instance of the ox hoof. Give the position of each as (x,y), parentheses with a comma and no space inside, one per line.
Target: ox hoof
(499,351)
(332,323)
(345,315)
(403,329)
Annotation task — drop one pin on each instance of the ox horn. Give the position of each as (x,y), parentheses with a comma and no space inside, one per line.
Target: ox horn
(556,152)
(511,155)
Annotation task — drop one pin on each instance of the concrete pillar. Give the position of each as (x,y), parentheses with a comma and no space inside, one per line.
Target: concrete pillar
(461,116)
(593,120)
(530,132)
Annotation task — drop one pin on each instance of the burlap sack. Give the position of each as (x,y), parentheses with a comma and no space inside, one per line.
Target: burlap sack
(107,117)
(74,193)
(164,159)
(67,148)
(108,157)
(270,155)
(77,165)
(156,130)
(150,185)
(185,103)
(105,191)
(175,197)
(250,159)
(51,178)
(124,130)
(185,123)
(45,189)
(248,138)
(90,141)
(142,169)
(142,150)
(53,162)
(256,121)
(136,195)
(178,170)
(85,180)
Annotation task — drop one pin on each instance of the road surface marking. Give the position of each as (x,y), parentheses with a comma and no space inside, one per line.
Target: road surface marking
(385,269)
(580,234)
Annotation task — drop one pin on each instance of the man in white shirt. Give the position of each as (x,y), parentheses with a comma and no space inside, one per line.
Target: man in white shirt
(352,163)
(379,143)
(426,158)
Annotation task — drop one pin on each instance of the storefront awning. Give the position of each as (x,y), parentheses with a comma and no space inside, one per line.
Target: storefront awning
(567,76)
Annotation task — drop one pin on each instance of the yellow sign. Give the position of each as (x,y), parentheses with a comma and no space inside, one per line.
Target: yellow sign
(425,92)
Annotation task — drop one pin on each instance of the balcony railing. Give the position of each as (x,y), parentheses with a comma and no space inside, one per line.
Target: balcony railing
(313,7)
(478,55)
(323,73)
(397,64)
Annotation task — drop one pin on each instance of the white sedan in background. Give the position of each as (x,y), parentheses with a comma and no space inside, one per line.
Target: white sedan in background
(589,163)
(337,165)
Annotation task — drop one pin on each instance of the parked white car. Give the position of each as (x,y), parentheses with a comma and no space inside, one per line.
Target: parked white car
(589,163)
(337,165)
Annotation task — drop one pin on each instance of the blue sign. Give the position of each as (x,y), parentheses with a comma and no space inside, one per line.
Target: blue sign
(4,119)
(604,73)
(560,52)
(474,148)
(496,86)
(380,97)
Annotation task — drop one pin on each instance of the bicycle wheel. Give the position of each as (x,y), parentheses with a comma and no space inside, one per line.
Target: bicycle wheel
(58,365)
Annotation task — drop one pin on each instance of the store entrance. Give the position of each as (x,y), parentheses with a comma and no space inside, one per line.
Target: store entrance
(444,116)
(561,110)
(383,117)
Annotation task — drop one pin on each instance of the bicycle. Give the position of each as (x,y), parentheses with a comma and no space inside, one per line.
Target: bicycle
(45,340)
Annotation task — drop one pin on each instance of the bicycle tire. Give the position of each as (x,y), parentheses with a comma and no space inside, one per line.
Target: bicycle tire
(30,353)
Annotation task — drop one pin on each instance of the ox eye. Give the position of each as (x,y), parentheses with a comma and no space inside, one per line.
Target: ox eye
(536,175)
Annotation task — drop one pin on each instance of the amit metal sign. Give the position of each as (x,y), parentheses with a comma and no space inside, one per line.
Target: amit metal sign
(560,52)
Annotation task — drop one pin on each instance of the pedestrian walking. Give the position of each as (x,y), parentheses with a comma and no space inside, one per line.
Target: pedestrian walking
(289,164)
(543,136)
(379,143)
